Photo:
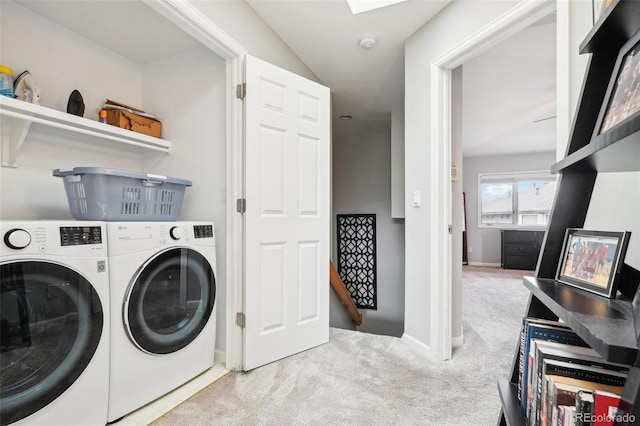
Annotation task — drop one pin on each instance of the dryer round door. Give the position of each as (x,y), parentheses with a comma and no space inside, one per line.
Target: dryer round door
(51,324)
(170,301)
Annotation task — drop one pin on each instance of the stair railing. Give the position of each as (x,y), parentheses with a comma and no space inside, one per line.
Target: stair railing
(344,295)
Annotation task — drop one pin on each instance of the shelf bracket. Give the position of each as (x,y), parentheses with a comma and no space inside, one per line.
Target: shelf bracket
(14,132)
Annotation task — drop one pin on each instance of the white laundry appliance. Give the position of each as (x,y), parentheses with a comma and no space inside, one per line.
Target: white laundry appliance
(163,311)
(54,315)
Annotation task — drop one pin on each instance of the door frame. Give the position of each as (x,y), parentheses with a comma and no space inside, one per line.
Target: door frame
(192,21)
(519,17)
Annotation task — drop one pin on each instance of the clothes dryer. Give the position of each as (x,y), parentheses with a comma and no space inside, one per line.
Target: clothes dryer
(54,315)
(163,290)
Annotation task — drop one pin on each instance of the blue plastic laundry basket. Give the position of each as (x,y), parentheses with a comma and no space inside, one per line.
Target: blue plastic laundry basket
(97,193)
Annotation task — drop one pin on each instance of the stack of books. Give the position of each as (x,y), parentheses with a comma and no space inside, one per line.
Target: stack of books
(563,382)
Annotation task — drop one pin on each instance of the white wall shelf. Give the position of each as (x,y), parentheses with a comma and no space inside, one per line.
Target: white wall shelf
(19,118)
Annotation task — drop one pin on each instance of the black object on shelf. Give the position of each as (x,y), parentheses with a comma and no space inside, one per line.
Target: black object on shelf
(75,104)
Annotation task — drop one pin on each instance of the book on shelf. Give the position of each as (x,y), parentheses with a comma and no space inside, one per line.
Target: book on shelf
(553,350)
(566,416)
(579,375)
(560,395)
(536,328)
(605,408)
(563,390)
(584,407)
(542,350)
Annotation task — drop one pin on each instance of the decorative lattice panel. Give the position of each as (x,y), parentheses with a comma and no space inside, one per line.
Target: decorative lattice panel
(357,257)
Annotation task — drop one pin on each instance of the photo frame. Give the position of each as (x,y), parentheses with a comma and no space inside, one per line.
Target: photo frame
(598,8)
(592,260)
(620,111)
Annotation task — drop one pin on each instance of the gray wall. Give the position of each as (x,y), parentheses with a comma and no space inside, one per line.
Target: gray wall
(362,184)
(246,27)
(483,243)
(428,43)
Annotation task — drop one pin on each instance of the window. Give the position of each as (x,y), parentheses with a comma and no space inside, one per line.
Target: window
(511,200)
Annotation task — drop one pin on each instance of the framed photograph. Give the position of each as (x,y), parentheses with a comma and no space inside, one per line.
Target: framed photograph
(620,113)
(592,260)
(599,7)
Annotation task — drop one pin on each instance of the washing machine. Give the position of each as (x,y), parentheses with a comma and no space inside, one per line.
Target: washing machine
(163,310)
(54,320)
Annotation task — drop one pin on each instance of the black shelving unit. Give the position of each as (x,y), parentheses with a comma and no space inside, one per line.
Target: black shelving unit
(609,326)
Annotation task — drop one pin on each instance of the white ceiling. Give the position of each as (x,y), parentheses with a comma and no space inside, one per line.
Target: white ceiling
(367,84)
(509,95)
(505,89)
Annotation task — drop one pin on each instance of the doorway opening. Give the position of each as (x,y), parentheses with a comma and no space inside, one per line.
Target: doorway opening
(503,121)
(519,17)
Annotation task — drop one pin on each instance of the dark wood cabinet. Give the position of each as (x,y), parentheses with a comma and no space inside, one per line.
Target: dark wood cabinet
(520,249)
(610,326)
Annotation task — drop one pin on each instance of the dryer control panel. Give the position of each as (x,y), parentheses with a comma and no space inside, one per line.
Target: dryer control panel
(80,235)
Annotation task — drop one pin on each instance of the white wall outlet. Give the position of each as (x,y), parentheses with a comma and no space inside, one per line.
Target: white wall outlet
(416,199)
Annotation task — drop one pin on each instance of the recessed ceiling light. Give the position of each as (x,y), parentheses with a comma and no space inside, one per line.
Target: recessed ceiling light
(346,117)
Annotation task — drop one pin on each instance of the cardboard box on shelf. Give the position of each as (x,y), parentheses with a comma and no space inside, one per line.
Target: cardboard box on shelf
(131,121)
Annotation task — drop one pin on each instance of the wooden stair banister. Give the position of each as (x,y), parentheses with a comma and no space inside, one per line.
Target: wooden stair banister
(344,295)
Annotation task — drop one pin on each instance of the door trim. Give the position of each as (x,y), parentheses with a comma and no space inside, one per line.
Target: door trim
(516,19)
(192,21)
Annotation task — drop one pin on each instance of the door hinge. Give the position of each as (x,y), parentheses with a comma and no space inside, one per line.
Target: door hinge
(241,205)
(241,90)
(241,319)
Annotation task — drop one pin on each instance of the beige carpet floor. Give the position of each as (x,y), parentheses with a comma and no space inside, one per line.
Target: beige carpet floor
(366,379)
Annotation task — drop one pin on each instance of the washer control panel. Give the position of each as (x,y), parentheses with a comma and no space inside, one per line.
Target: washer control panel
(17,239)
(80,235)
(203,231)
(176,232)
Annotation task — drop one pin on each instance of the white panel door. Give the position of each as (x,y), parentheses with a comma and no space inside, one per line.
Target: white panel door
(287,184)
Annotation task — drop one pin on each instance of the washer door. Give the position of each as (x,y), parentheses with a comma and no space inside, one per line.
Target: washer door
(170,301)
(51,324)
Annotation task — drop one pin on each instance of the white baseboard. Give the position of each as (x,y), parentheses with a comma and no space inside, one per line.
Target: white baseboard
(220,357)
(417,344)
(457,341)
(492,265)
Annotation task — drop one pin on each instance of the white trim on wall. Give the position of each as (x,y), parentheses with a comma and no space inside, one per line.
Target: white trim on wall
(441,212)
(457,341)
(491,265)
(191,20)
(516,19)
(417,344)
